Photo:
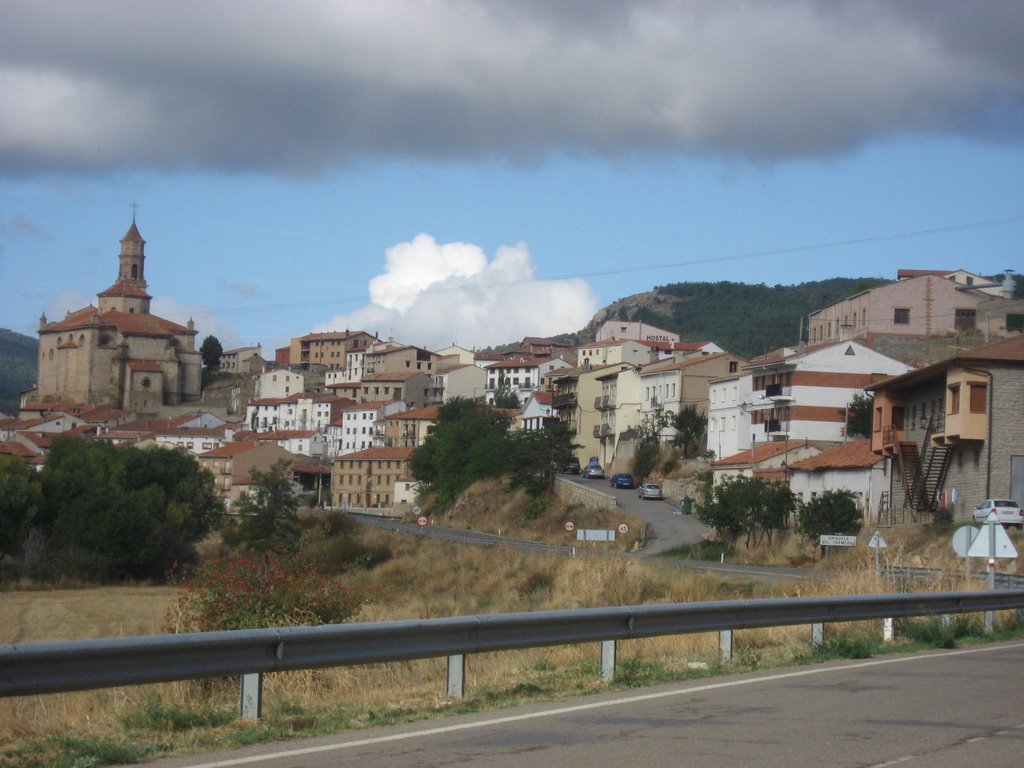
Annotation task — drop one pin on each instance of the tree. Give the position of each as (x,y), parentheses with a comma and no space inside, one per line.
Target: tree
(747,505)
(211,351)
(690,426)
(114,513)
(468,443)
(20,499)
(535,455)
(857,415)
(268,519)
(504,395)
(832,512)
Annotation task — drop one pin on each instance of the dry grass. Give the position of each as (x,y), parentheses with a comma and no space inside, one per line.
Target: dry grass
(428,579)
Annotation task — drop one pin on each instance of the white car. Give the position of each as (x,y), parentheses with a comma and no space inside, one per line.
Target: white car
(649,491)
(1007,510)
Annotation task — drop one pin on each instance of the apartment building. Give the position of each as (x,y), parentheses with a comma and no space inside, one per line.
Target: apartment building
(327,350)
(954,425)
(232,465)
(370,478)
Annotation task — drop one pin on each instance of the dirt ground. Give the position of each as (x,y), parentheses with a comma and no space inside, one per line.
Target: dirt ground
(76,614)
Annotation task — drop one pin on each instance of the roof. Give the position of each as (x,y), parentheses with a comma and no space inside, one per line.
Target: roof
(856,454)
(393,376)
(1010,350)
(663,366)
(13,448)
(427,413)
(145,366)
(378,454)
(128,323)
(228,450)
(124,287)
(761,452)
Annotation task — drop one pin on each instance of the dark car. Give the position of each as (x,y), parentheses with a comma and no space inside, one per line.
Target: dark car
(623,480)
(570,466)
(592,472)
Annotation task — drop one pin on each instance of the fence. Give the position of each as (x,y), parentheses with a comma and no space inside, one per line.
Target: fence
(78,665)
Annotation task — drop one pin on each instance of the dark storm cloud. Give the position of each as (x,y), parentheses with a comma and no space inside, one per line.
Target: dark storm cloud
(311,86)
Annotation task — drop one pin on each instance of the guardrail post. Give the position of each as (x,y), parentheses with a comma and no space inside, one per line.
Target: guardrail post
(888,633)
(725,644)
(251,698)
(947,620)
(817,635)
(608,660)
(457,676)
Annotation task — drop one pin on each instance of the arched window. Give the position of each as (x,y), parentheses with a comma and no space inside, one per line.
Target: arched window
(135,271)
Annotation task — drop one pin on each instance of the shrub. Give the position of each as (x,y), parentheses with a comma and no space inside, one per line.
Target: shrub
(251,593)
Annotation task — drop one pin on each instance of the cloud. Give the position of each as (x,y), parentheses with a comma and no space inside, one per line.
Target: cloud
(308,87)
(434,294)
(242,288)
(23,225)
(64,302)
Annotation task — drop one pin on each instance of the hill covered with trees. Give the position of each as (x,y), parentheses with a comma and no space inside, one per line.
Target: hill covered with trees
(17,368)
(748,320)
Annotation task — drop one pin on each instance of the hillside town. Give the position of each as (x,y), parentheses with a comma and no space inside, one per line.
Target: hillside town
(939,353)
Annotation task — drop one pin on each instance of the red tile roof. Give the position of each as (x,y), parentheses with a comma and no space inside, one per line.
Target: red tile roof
(130,323)
(123,287)
(761,452)
(853,455)
(381,454)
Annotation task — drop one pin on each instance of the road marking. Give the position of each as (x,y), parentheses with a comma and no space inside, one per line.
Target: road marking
(604,705)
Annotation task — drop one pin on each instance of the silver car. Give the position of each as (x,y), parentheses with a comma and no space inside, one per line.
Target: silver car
(1007,511)
(650,491)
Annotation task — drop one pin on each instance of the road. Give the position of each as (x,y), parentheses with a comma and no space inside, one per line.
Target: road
(666,528)
(940,709)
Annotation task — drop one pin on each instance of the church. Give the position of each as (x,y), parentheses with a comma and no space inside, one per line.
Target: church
(119,354)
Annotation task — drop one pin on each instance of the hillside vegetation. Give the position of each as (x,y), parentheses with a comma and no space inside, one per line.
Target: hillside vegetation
(17,368)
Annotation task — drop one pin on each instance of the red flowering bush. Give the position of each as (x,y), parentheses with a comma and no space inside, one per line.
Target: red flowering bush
(256,592)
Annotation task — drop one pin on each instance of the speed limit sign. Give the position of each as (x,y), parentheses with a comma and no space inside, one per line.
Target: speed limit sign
(570,526)
(623,528)
(422,520)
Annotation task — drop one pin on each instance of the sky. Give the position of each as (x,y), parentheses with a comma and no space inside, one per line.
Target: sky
(473,172)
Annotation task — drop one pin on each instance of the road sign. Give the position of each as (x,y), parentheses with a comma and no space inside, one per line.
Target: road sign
(837,541)
(877,542)
(623,528)
(963,537)
(981,547)
(422,520)
(570,526)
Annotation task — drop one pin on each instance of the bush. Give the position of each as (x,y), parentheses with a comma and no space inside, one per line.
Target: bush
(253,593)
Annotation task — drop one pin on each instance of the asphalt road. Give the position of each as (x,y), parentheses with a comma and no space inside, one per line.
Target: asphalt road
(666,527)
(940,709)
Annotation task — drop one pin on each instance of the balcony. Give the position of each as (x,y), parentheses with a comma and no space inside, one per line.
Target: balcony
(602,431)
(657,402)
(777,428)
(778,392)
(604,403)
(563,401)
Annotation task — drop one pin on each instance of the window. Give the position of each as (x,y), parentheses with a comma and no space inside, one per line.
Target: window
(901,316)
(1015,322)
(954,399)
(977,397)
(964,320)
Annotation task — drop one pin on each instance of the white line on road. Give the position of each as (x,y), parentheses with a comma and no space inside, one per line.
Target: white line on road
(600,705)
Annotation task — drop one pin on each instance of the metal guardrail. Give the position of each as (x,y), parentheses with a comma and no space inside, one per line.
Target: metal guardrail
(78,665)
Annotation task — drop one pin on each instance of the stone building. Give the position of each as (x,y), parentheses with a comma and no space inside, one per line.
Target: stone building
(118,353)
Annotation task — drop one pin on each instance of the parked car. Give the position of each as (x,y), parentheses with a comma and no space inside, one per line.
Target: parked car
(623,480)
(650,491)
(592,472)
(570,466)
(1007,510)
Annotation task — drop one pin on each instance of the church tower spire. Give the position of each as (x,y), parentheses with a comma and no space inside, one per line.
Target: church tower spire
(133,257)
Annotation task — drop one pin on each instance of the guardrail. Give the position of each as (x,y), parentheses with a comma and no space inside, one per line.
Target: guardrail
(102,663)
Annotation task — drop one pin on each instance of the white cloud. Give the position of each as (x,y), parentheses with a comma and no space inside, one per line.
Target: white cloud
(433,294)
(64,302)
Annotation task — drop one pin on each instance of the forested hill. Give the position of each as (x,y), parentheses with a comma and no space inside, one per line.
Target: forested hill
(17,368)
(748,320)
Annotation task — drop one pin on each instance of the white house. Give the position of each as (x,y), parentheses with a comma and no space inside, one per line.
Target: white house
(279,383)
(852,467)
(358,424)
(522,375)
(728,423)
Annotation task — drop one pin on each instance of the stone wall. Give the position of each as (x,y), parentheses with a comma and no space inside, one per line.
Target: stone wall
(592,498)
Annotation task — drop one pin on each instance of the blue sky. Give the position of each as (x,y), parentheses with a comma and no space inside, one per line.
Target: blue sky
(476,172)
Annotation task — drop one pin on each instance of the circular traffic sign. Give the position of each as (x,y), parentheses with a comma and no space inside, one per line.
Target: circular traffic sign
(422,520)
(570,526)
(963,537)
(623,528)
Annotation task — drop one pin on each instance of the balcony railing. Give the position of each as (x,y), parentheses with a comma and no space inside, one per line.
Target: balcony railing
(604,402)
(563,401)
(602,430)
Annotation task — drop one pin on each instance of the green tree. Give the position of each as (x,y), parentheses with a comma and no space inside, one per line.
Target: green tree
(468,443)
(504,395)
(267,516)
(20,499)
(747,506)
(690,425)
(857,415)
(534,456)
(834,512)
(122,513)
(211,351)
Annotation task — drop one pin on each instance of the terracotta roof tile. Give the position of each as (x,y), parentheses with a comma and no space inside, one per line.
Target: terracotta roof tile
(853,455)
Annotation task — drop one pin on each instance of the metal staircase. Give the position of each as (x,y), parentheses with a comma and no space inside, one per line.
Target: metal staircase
(923,472)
